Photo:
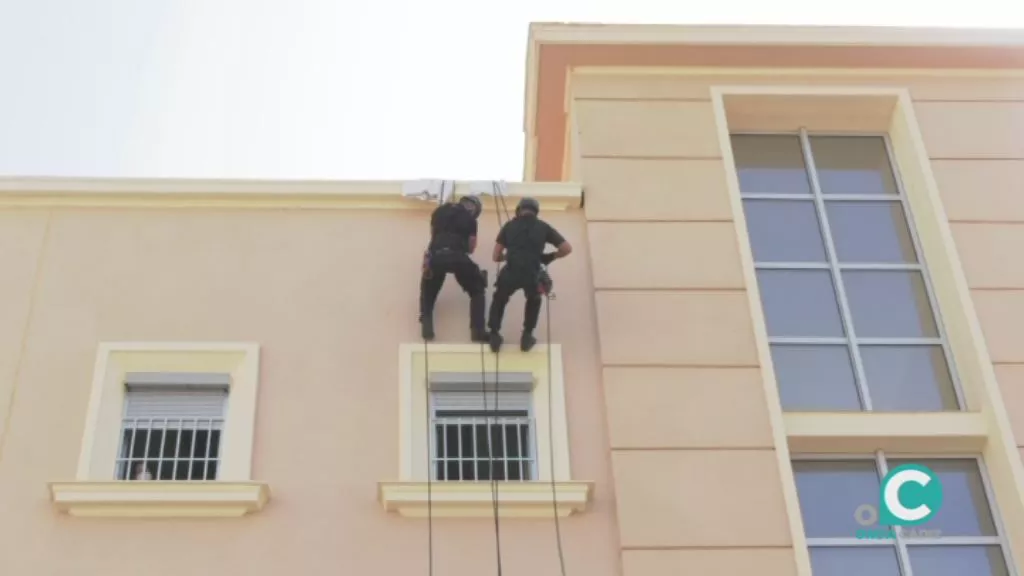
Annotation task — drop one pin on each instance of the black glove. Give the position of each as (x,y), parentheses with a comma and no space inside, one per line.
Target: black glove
(548,258)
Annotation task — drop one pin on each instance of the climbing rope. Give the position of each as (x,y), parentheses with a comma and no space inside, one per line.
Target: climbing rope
(491,415)
(430,463)
(499,203)
(551,440)
(429,440)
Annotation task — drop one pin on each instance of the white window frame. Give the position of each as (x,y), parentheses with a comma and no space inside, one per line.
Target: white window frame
(95,491)
(833,266)
(902,543)
(415,494)
(466,358)
(115,360)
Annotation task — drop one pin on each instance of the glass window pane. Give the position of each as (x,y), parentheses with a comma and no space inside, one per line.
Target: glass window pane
(831,491)
(770,164)
(965,508)
(889,304)
(908,378)
(874,232)
(855,561)
(853,165)
(799,303)
(957,561)
(815,377)
(784,231)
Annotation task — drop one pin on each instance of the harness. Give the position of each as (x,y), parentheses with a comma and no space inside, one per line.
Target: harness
(445,242)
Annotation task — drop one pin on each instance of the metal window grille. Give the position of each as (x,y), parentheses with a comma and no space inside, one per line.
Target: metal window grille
(852,341)
(172,427)
(480,435)
(906,540)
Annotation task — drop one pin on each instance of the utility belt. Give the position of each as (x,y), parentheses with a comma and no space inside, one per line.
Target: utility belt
(535,270)
(447,252)
(429,255)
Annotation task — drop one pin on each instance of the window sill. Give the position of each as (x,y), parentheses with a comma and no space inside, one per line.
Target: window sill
(474,500)
(152,499)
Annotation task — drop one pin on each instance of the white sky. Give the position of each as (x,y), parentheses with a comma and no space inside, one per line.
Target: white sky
(322,89)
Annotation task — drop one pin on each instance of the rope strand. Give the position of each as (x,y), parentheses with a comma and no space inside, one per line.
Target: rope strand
(551,443)
(496,192)
(430,465)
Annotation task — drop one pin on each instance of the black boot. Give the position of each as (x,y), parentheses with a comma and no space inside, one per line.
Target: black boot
(427,327)
(496,341)
(527,342)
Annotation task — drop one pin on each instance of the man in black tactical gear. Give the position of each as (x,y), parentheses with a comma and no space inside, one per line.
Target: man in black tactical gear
(520,245)
(453,230)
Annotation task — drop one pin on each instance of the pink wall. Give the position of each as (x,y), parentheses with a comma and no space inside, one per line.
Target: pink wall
(329,295)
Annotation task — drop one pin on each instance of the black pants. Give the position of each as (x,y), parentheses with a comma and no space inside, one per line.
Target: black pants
(509,281)
(466,273)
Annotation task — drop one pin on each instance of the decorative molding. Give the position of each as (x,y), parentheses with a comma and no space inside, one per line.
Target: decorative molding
(865,432)
(44,192)
(475,499)
(156,499)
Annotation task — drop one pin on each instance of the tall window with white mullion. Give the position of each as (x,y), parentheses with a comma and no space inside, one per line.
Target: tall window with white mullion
(849,310)
(172,425)
(482,433)
(963,538)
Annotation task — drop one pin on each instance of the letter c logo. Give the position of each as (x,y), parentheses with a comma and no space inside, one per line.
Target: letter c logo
(911,494)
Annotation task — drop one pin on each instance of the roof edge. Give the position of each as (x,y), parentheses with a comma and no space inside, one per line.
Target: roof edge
(43,192)
(573,33)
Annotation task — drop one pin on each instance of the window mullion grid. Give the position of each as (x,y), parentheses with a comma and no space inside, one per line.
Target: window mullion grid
(209,443)
(145,453)
(163,446)
(791,266)
(177,450)
(848,543)
(798,196)
(446,458)
(476,454)
(901,543)
(929,291)
(837,279)
(809,340)
(532,447)
(504,447)
(954,541)
(195,442)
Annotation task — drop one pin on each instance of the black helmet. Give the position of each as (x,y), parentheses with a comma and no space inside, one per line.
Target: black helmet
(476,206)
(528,204)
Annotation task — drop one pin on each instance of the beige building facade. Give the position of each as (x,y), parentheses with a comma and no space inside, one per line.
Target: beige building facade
(796,270)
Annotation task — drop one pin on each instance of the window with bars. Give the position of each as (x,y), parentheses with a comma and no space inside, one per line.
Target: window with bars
(172,426)
(482,430)
(849,309)
(963,538)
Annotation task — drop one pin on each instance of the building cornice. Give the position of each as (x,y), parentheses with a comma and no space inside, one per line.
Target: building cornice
(556,50)
(560,33)
(44,192)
